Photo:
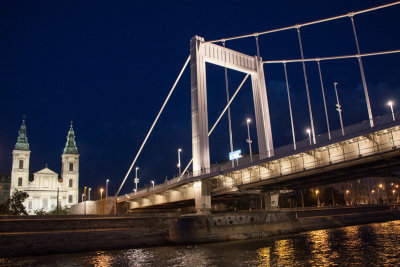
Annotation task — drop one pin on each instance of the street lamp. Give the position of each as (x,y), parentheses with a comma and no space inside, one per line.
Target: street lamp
(136,178)
(339,108)
(107,181)
(83,196)
(89,192)
(390,103)
(347,195)
(152,183)
(309,134)
(248,140)
(316,193)
(101,193)
(179,161)
(134,190)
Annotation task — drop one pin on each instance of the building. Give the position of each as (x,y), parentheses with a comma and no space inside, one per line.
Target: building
(5,180)
(46,188)
(371,190)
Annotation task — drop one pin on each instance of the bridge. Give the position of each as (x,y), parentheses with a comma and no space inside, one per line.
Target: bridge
(355,151)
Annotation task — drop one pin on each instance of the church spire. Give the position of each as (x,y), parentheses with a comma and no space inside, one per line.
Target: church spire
(70,146)
(22,141)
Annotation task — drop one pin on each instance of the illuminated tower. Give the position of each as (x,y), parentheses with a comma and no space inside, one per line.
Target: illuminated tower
(20,162)
(70,169)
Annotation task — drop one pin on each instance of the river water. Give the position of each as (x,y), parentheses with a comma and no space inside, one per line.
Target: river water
(363,245)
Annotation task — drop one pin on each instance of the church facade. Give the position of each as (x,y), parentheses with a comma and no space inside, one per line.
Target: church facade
(45,189)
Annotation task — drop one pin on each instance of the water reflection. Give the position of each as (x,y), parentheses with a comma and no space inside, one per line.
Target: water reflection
(365,245)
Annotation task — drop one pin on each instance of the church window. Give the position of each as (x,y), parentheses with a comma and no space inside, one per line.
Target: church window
(70,182)
(71,167)
(21,164)
(19,181)
(45,203)
(70,199)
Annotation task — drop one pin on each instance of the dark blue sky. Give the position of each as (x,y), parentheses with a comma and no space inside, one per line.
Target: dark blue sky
(108,66)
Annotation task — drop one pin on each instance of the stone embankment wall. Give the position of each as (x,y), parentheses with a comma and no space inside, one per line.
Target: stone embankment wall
(36,235)
(260,224)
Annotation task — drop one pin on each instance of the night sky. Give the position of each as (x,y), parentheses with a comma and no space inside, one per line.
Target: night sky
(108,66)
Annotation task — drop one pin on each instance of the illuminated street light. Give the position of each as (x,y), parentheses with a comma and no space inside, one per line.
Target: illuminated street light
(152,183)
(101,193)
(316,193)
(248,140)
(179,161)
(136,181)
(380,186)
(390,103)
(89,192)
(339,108)
(309,134)
(107,181)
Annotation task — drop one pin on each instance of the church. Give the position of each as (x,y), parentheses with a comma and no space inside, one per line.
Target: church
(45,188)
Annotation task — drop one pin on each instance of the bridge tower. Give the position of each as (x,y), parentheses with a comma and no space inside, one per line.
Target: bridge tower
(202,52)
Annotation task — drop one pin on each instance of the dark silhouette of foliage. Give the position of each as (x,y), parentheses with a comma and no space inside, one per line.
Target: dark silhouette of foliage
(14,204)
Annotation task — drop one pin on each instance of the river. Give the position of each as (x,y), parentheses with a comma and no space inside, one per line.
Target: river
(363,245)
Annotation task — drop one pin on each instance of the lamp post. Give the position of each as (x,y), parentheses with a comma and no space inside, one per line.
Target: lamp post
(339,108)
(373,192)
(101,193)
(316,193)
(309,134)
(89,192)
(347,195)
(83,196)
(390,104)
(136,178)
(107,181)
(179,161)
(380,186)
(152,182)
(134,190)
(248,140)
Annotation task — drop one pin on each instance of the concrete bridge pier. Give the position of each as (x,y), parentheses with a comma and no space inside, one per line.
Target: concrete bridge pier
(271,200)
(202,197)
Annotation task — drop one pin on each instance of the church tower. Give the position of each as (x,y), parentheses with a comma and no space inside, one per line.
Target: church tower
(70,169)
(20,162)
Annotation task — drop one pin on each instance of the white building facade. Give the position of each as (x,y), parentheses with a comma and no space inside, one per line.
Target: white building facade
(46,189)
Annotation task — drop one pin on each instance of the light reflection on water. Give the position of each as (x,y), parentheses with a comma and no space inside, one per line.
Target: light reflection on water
(364,245)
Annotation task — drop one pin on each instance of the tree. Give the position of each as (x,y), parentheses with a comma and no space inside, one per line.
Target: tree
(14,204)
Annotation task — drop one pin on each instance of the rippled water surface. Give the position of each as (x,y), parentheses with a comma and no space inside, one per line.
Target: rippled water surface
(363,245)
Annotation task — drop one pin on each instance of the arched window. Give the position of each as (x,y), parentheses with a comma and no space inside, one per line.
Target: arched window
(19,181)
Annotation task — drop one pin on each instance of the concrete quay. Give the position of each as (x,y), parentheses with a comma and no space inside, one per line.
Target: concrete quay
(38,235)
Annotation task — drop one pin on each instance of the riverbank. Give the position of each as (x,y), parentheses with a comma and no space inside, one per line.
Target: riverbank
(38,235)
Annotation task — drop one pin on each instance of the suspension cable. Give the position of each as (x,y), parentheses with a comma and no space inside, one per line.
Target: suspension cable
(332,58)
(219,118)
(323,96)
(227,100)
(290,106)
(306,84)
(152,126)
(307,23)
(371,119)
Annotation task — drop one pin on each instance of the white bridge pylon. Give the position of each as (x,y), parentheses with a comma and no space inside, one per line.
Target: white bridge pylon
(202,52)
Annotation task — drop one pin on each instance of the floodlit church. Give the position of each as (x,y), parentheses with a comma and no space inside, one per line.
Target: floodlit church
(45,186)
